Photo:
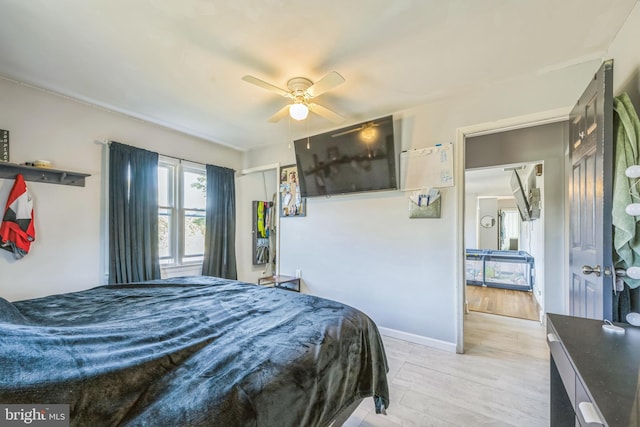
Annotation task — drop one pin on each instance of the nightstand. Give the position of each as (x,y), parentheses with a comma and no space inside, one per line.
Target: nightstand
(289,283)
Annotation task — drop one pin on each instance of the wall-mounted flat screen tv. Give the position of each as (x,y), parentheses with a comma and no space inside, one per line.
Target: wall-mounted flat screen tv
(353,159)
(521,199)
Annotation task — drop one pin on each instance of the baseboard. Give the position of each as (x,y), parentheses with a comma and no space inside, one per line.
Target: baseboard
(419,339)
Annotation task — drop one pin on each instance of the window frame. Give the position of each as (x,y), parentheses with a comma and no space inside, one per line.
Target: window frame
(178,212)
(172,166)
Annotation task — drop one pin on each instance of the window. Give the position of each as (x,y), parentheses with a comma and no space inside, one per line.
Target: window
(182,202)
(509,229)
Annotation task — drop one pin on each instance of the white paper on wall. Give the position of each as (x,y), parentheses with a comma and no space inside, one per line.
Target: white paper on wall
(427,167)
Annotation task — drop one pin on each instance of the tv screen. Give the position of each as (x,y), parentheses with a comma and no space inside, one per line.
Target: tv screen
(521,198)
(353,159)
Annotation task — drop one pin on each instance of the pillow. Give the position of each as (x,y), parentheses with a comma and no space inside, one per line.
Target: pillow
(9,313)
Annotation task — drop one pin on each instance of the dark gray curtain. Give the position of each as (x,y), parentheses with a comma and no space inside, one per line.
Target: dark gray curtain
(220,235)
(133,214)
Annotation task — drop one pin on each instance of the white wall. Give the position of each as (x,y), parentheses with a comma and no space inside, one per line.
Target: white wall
(487,238)
(471,221)
(365,251)
(507,203)
(533,235)
(626,58)
(68,252)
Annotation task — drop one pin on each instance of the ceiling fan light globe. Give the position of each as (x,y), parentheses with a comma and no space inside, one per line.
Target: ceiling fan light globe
(298,111)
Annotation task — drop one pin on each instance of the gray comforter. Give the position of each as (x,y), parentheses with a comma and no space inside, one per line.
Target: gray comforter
(196,351)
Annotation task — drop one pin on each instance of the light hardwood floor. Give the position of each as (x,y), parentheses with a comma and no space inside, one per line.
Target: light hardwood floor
(501,380)
(505,302)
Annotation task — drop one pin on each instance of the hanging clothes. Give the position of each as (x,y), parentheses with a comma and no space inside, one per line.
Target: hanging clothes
(626,228)
(17,230)
(262,230)
(626,236)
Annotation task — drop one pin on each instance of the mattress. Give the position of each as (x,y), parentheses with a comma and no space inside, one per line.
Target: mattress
(192,351)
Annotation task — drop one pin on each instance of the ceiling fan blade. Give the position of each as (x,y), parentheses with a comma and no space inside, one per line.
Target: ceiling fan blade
(261,83)
(282,113)
(326,83)
(326,113)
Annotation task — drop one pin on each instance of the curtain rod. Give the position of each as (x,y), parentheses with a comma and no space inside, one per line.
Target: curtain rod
(258,169)
(107,142)
(181,160)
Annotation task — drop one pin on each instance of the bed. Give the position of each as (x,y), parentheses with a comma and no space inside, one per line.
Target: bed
(192,351)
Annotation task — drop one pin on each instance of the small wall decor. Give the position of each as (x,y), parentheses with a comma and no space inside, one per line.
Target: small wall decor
(4,145)
(425,204)
(487,221)
(291,203)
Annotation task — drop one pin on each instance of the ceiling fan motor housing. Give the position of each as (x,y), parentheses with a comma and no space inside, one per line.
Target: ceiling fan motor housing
(298,87)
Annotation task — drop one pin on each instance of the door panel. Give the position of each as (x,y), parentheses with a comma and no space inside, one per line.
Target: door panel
(590,202)
(594,300)
(590,193)
(576,292)
(576,208)
(586,297)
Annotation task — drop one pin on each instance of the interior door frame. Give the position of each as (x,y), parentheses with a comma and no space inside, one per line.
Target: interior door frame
(518,122)
(262,169)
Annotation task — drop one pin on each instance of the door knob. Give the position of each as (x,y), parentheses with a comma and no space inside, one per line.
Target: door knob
(586,269)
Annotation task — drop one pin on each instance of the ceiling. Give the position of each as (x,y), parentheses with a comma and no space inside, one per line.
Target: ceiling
(180,63)
(489,182)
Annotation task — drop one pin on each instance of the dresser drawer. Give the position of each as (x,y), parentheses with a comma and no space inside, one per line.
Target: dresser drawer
(587,414)
(565,369)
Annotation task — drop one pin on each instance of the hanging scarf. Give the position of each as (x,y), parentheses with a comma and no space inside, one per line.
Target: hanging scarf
(17,230)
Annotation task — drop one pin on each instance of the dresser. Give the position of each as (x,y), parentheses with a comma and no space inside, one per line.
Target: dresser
(594,373)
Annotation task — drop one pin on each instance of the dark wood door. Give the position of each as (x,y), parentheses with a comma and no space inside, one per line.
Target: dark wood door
(590,194)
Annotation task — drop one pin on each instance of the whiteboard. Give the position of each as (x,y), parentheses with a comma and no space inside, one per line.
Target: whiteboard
(427,167)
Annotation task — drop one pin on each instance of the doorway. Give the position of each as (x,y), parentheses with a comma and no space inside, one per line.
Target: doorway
(256,184)
(501,241)
(540,138)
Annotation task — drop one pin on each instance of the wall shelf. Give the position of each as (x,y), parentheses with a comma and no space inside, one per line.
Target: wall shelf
(48,175)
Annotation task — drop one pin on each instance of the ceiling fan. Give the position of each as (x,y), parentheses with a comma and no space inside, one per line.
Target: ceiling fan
(301,90)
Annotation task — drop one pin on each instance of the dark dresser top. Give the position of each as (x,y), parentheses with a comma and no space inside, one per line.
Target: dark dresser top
(607,363)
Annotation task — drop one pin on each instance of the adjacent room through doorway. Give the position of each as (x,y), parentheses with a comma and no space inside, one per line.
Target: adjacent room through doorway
(501,240)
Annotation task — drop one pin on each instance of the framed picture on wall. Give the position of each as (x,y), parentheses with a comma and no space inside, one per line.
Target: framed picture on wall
(291,203)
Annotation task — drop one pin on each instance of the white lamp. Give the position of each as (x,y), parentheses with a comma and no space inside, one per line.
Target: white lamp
(298,111)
